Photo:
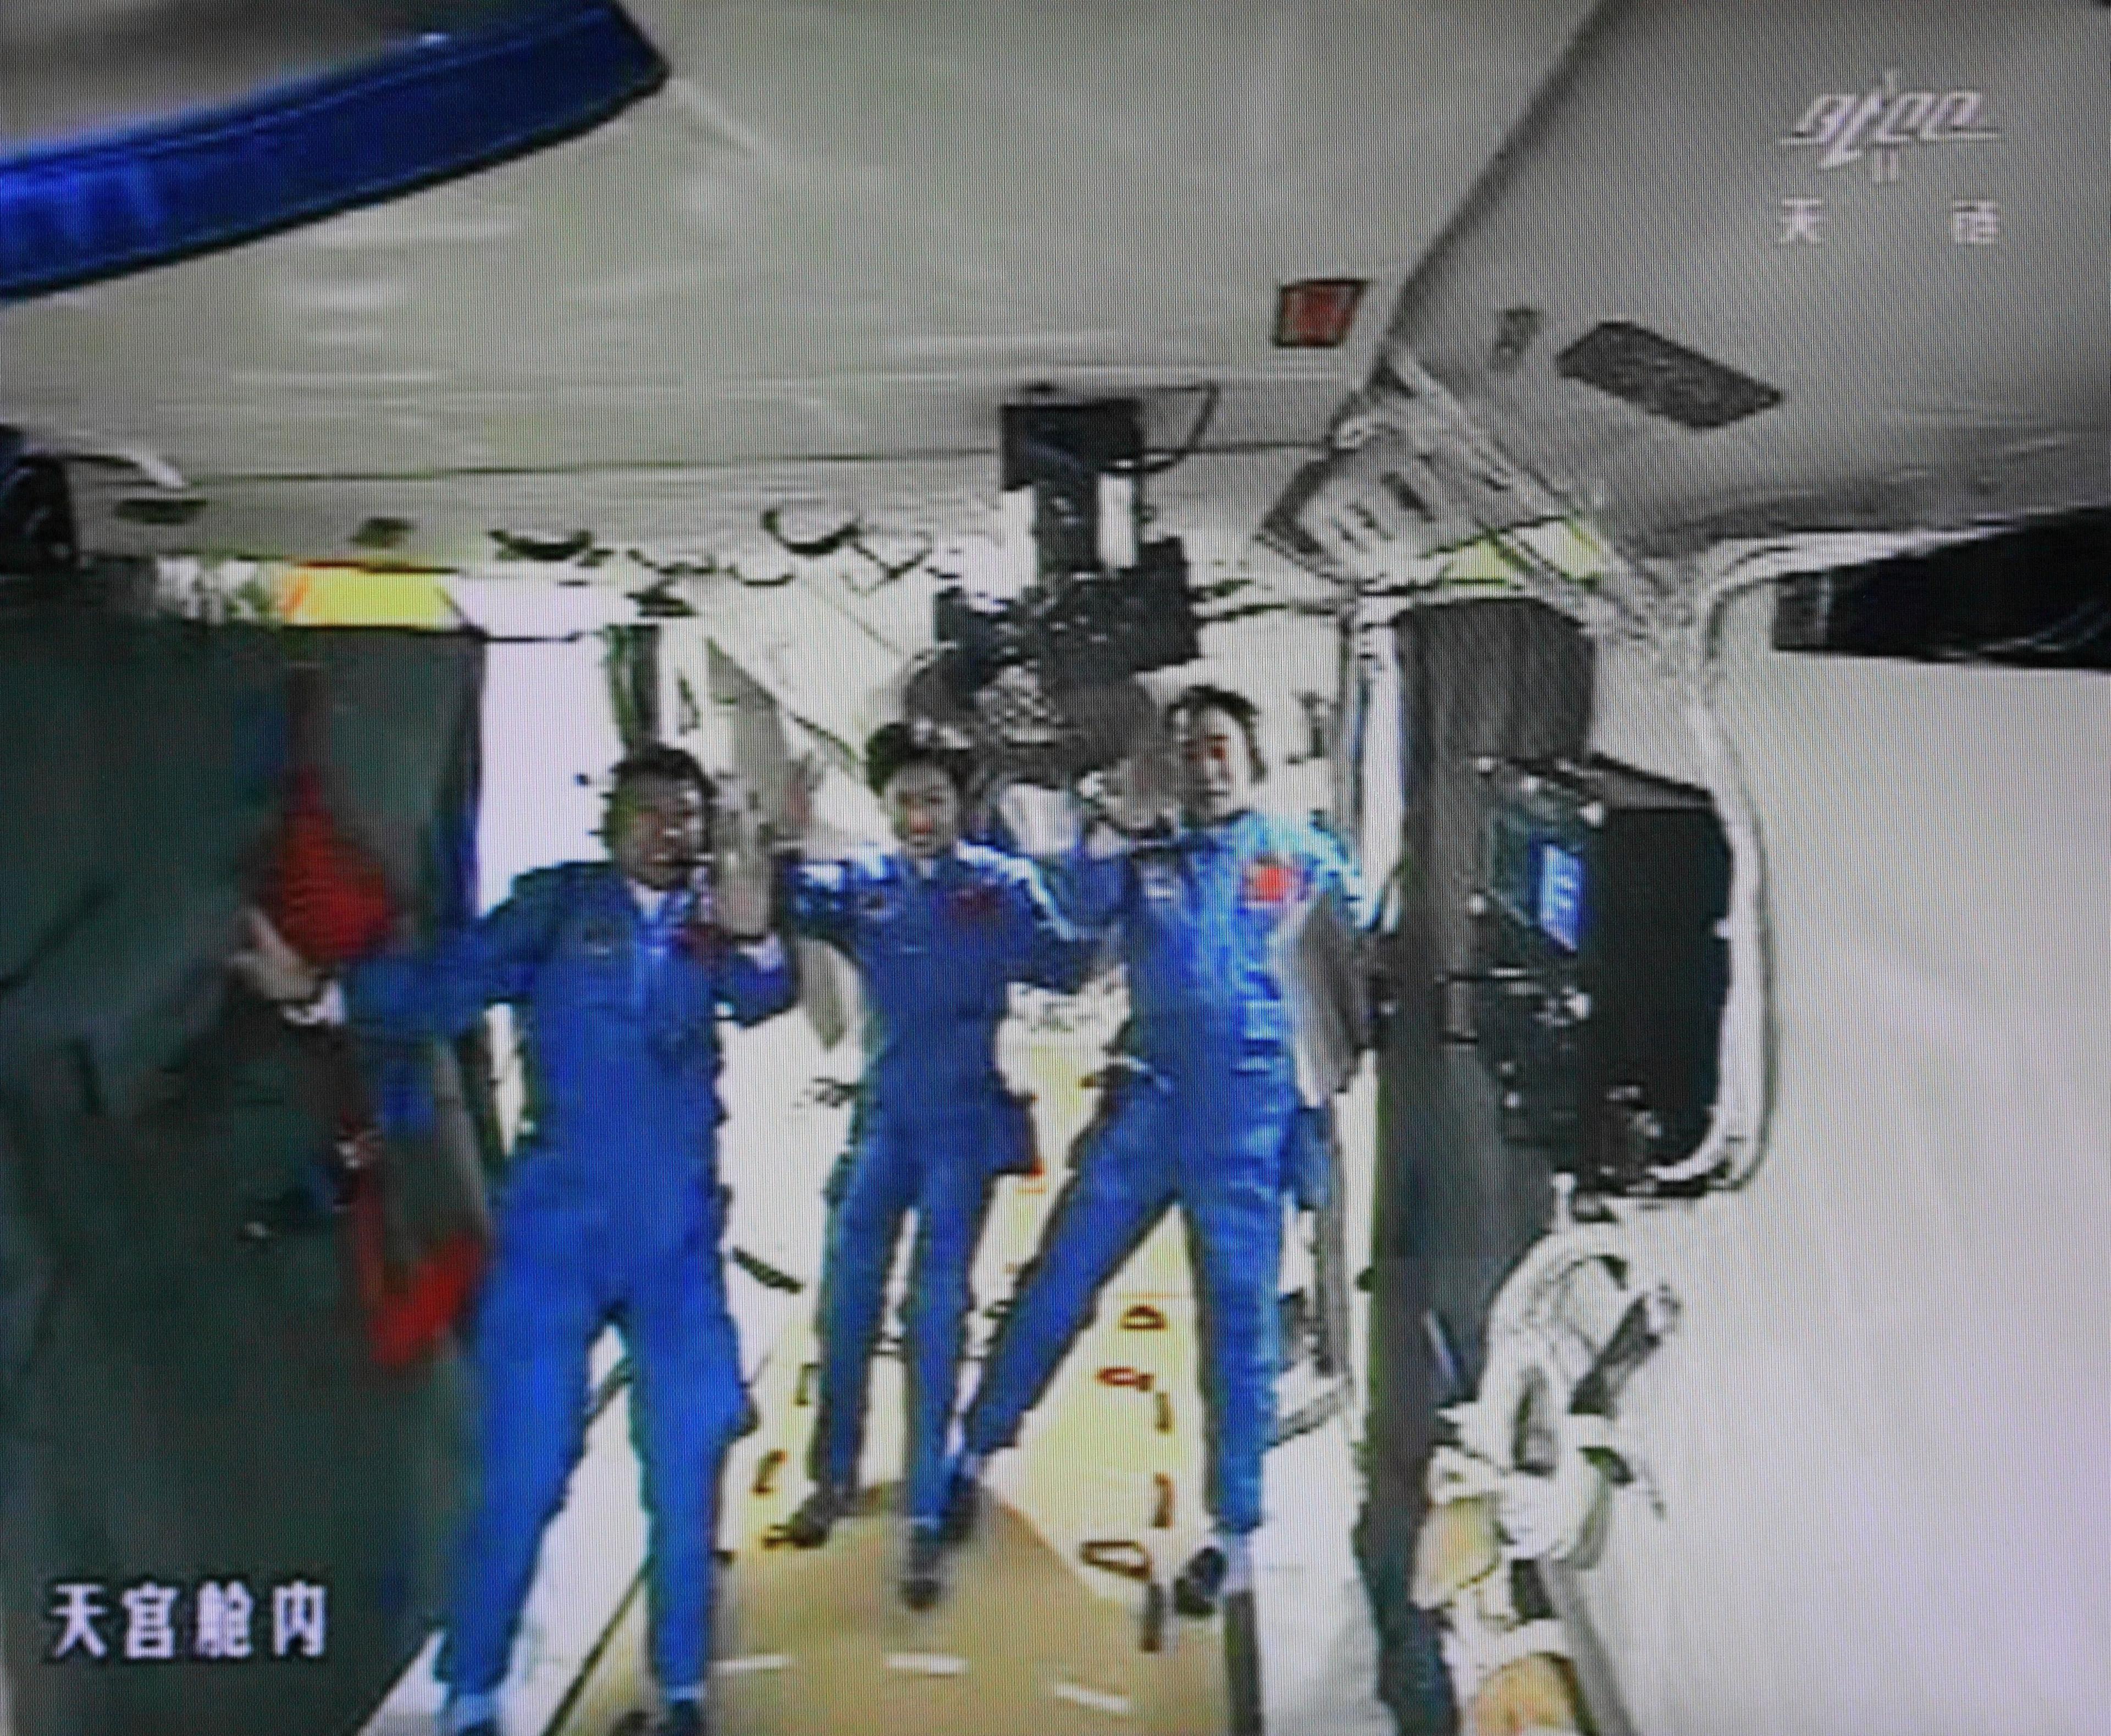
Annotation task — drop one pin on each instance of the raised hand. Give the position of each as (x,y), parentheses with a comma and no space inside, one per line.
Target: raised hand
(740,874)
(271,967)
(1136,795)
(1043,823)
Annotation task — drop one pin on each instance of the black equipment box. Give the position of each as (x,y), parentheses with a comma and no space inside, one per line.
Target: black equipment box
(1600,965)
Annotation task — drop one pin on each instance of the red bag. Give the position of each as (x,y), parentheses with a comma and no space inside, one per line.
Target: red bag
(409,1324)
(331,902)
(329,899)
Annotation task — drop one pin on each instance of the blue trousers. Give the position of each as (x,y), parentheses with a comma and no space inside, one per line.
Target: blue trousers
(938,1167)
(547,1299)
(1214,1145)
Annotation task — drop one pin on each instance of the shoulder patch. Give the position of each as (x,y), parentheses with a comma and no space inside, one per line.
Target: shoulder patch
(1270,881)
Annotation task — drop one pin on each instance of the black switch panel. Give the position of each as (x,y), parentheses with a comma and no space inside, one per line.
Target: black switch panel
(1600,971)
(2037,596)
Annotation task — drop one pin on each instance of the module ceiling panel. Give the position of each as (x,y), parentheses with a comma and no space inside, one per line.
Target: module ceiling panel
(1761,265)
(70,66)
(840,231)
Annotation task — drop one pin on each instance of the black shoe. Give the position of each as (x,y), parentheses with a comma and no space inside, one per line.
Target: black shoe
(482,1727)
(682,1718)
(1200,1582)
(809,1527)
(921,1583)
(956,1518)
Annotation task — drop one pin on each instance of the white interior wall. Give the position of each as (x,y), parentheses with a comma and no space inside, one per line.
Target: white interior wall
(1880,1432)
(549,727)
(549,737)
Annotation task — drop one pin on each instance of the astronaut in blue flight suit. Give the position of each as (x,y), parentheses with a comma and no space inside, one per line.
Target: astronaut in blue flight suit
(938,930)
(613,1210)
(1207,1115)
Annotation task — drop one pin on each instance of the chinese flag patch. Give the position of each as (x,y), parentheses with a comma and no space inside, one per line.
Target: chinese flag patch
(976,903)
(1270,881)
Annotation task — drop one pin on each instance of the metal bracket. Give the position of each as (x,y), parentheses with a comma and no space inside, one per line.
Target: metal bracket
(1449,980)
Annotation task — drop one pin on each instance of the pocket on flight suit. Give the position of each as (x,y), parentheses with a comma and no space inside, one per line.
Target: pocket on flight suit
(591,964)
(838,1183)
(706,1208)
(1264,1036)
(1308,1160)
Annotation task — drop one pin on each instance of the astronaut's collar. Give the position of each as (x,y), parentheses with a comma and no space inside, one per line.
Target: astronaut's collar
(676,904)
(926,872)
(1217,836)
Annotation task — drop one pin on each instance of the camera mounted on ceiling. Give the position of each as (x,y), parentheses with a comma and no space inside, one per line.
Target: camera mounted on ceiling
(1094,604)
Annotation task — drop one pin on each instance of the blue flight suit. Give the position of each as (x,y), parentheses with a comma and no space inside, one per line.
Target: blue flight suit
(936,955)
(612,1210)
(1208,1116)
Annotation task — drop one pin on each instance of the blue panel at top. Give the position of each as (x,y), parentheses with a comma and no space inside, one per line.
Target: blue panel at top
(111,203)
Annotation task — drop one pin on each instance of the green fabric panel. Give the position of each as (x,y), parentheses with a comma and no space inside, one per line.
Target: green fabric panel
(177,1402)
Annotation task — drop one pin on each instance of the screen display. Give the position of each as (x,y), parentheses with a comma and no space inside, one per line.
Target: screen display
(1560,912)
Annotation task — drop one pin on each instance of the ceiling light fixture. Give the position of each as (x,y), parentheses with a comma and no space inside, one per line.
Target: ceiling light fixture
(159,509)
(1652,373)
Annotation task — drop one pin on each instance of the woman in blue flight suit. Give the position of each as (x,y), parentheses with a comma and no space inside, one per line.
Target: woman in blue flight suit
(1208,1116)
(938,930)
(613,1209)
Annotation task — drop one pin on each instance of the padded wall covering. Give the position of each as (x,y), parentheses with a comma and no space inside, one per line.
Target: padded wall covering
(177,1403)
(439,105)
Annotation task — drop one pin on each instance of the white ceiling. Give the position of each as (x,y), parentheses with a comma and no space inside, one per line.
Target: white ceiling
(1925,382)
(842,235)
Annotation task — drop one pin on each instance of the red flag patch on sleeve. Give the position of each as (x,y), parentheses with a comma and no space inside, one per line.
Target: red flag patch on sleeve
(1270,881)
